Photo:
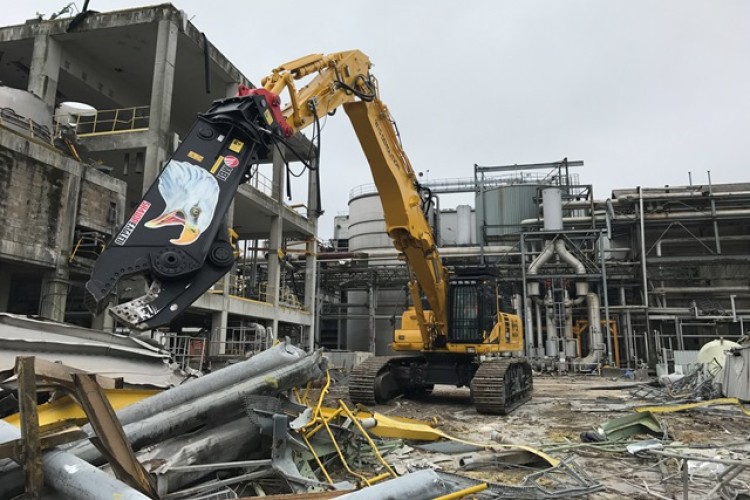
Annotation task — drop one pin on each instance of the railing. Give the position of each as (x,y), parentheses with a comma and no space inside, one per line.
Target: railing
(187,351)
(238,286)
(190,352)
(88,246)
(261,183)
(469,185)
(241,341)
(9,118)
(114,121)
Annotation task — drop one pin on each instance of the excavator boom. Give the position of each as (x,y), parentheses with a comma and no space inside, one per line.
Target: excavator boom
(177,236)
(178,239)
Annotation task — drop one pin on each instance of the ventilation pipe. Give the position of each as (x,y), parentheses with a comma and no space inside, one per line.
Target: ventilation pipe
(571,350)
(553,217)
(596,339)
(539,331)
(552,347)
(553,221)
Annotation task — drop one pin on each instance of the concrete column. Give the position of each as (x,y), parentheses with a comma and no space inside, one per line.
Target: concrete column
(218,335)
(311,260)
(44,72)
(162,85)
(54,294)
(220,319)
(104,321)
(55,284)
(276,237)
(5,277)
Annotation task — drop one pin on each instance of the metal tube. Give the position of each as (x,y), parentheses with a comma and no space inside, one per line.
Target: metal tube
(643,270)
(211,407)
(421,485)
(568,257)
(465,492)
(529,333)
(702,289)
(596,340)
(182,411)
(270,359)
(720,214)
(542,258)
(527,317)
(69,475)
(605,291)
(539,332)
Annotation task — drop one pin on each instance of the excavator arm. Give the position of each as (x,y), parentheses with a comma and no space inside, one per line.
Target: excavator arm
(177,237)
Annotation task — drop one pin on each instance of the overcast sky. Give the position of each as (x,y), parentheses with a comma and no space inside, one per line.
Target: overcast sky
(643,91)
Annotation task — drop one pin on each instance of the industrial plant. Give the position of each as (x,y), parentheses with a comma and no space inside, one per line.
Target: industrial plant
(106,116)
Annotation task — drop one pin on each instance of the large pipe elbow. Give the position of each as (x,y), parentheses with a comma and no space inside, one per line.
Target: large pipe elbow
(544,256)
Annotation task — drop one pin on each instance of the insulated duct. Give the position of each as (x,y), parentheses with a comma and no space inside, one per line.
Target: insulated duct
(596,339)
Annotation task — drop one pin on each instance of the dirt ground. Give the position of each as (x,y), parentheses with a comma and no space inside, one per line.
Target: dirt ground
(561,408)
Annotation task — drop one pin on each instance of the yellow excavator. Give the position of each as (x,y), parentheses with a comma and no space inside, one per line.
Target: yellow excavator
(177,237)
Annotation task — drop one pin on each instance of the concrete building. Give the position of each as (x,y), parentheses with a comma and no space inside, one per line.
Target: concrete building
(146,72)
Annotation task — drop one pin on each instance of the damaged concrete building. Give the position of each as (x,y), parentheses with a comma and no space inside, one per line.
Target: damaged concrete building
(91,110)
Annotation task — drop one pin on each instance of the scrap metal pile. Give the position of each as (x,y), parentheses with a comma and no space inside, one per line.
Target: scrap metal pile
(255,428)
(274,425)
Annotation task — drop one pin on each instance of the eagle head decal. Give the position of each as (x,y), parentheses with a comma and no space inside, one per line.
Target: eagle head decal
(190,194)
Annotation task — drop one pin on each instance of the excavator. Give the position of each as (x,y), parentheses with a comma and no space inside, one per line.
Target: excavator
(453,333)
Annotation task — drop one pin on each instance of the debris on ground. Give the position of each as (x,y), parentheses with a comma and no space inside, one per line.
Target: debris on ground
(259,428)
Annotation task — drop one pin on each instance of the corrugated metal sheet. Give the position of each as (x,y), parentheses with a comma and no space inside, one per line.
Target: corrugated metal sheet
(136,361)
(687,360)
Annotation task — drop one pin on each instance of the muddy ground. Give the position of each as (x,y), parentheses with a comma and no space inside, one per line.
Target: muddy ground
(560,410)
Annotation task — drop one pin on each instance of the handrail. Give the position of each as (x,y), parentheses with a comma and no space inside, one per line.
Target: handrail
(112,121)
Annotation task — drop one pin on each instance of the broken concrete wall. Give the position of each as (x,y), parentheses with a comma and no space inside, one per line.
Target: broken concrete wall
(38,188)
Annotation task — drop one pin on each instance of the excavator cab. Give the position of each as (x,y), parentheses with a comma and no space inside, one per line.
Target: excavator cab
(472,312)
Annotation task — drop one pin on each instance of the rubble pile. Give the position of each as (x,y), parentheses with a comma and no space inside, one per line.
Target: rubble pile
(280,424)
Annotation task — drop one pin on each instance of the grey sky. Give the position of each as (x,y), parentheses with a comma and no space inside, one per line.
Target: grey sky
(642,91)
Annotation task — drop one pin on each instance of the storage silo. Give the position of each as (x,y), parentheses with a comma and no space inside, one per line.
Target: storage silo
(366,233)
(366,222)
(26,113)
(504,208)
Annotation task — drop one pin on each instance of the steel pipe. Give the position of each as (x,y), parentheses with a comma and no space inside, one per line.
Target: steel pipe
(162,421)
(421,485)
(270,359)
(211,408)
(68,475)
(701,289)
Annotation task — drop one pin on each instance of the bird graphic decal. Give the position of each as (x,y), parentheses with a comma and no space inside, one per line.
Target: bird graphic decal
(191,194)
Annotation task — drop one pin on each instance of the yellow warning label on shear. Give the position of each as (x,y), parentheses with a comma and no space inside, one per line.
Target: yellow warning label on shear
(236,145)
(195,156)
(219,161)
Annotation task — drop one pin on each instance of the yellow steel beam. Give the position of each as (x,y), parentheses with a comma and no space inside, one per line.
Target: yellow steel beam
(66,408)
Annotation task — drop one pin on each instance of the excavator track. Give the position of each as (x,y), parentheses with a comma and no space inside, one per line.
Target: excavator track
(364,380)
(501,385)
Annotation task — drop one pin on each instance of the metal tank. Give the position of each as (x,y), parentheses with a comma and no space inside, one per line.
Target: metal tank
(458,228)
(26,113)
(504,208)
(366,222)
(367,232)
